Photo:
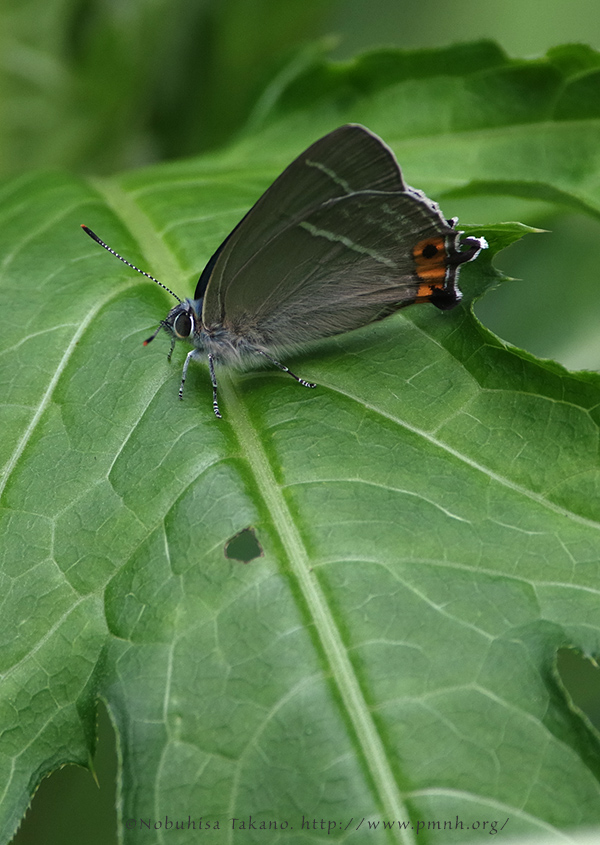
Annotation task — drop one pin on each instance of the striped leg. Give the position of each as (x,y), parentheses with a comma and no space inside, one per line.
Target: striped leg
(171,349)
(286,370)
(184,373)
(213,378)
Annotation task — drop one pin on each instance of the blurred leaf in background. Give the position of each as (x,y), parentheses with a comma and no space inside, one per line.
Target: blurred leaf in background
(524,28)
(102,85)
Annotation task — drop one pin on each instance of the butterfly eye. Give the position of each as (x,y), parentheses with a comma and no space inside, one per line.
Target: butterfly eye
(183,325)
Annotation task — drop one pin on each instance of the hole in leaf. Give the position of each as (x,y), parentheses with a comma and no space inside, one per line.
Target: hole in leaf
(243,546)
(581,677)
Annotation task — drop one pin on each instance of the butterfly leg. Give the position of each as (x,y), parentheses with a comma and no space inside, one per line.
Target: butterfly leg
(171,349)
(213,378)
(286,370)
(184,373)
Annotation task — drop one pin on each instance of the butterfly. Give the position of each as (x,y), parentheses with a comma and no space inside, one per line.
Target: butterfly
(338,241)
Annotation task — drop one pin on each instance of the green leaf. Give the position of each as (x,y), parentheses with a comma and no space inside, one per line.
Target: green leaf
(428,516)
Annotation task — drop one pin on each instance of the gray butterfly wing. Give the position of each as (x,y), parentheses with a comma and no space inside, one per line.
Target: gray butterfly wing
(345,161)
(353,260)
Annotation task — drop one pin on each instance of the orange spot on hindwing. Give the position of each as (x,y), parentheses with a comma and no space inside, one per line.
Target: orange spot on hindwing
(430,262)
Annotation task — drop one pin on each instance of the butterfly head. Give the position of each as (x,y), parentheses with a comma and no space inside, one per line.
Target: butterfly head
(183,321)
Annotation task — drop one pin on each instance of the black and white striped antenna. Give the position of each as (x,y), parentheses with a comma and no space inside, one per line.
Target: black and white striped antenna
(98,240)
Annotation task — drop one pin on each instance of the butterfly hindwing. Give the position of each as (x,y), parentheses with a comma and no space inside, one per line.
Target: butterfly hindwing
(344,265)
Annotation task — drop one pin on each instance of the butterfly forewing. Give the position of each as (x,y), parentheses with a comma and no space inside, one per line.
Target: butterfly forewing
(348,160)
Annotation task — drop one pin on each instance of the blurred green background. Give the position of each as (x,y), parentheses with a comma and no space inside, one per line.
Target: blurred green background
(95,86)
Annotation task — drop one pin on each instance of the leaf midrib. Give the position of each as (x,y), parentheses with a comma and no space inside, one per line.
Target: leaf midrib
(331,640)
